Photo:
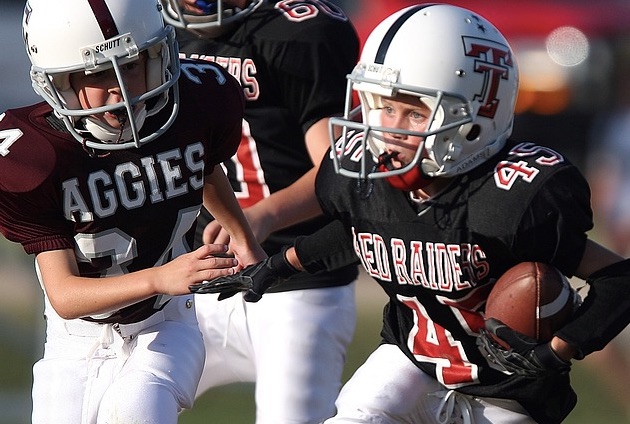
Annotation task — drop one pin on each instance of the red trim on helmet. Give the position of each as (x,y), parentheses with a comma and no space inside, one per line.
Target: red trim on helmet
(104,18)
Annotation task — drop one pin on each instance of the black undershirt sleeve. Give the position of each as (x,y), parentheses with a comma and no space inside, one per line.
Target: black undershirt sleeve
(327,249)
(604,313)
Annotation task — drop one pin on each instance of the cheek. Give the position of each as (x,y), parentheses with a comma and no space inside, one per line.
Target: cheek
(90,97)
(412,144)
(137,84)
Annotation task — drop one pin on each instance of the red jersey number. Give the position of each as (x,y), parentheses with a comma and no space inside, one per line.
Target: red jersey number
(430,342)
(249,172)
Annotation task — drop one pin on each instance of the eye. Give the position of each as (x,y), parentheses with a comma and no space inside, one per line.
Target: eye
(130,66)
(417,118)
(388,110)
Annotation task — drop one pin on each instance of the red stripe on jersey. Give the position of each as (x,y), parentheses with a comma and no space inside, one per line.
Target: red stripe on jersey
(104,18)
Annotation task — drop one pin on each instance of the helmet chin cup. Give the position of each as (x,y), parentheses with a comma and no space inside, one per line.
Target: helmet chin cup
(107,134)
(414,179)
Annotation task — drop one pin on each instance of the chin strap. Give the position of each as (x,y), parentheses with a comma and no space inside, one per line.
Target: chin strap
(364,185)
(122,118)
(91,151)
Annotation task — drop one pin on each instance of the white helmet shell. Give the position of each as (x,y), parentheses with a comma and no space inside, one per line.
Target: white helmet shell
(458,64)
(67,36)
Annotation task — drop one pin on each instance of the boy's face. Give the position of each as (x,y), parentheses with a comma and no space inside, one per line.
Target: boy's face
(103,88)
(408,113)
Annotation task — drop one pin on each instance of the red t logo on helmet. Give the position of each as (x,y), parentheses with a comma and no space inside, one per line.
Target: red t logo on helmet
(494,60)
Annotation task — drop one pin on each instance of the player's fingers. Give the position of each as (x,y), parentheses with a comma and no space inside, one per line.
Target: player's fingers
(211,233)
(213,249)
(212,262)
(212,273)
(222,237)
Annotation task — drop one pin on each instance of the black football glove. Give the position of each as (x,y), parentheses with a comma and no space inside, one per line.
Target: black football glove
(255,279)
(227,286)
(526,356)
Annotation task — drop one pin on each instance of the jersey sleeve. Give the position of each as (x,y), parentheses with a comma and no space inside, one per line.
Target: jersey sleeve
(24,219)
(604,313)
(555,223)
(29,212)
(210,100)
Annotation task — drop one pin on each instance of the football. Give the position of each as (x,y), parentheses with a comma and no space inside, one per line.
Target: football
(532,298)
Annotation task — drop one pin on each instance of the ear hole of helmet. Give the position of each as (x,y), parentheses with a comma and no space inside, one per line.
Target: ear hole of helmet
(471,131)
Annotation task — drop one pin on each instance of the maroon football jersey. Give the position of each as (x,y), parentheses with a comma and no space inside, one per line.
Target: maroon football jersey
(126,210)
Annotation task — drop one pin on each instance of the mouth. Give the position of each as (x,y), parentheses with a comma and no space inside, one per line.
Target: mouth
(116,118)
(389,160)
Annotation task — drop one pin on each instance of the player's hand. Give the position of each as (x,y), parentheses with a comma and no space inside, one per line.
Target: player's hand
(205,263)
(255,279)
(525,356)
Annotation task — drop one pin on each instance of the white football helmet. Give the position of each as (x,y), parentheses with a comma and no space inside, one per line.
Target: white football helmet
(454,61)
(218,19)
(67,36)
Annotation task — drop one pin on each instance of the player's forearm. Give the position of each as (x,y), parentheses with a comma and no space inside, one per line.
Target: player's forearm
(220,201)
(289,206)
(74,297)
(95,296)
(297,202)
(564,350)
(292,258)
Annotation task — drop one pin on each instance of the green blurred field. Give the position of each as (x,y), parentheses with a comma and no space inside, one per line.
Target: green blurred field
(21,337)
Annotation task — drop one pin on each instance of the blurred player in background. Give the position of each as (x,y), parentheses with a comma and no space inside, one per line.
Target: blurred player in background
(292,59)
(103,182)
(436,202)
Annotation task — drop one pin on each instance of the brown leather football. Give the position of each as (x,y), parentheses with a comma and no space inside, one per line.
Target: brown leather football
(532,298)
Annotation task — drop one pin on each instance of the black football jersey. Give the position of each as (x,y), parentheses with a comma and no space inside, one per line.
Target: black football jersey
(438,260)
(292,59)
(126,210)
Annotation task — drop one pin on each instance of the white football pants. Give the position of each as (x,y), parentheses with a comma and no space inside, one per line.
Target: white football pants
(389,389)
(291,344)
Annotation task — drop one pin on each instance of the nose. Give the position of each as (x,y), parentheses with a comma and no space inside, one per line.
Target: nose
(114,88)
(398,122)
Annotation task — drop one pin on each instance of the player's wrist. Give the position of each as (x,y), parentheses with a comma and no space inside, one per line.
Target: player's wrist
(550,359)
(563,350)
(281,265)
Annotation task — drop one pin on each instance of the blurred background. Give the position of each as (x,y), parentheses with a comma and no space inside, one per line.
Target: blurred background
(574,59)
